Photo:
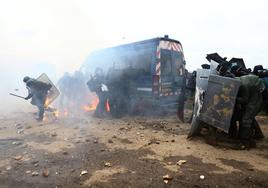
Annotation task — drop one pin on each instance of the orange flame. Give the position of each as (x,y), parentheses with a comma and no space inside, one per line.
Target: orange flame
(107,106)
(56,113)
(92,106)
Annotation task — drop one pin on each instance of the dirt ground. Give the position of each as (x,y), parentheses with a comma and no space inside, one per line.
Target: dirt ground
(84,151)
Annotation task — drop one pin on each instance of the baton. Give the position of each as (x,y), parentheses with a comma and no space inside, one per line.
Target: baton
(16,95)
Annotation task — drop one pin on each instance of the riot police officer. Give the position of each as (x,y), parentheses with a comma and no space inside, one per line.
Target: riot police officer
(97,84)
(38,91)
(250,98)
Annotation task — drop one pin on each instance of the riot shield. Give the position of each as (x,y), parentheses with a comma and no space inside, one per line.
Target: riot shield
(213,67)
(202,76)
(219,101)
(53,93)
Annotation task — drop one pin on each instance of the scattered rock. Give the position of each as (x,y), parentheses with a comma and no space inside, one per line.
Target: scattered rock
(202,177)
(157,142)
(84,172)
(65,153)
(169,163)
(28,172)
(110,141)
(36,165)
(54,134)
(35,173)
(20,131)
(19,157)
(17,143)
(180,162)
(8,168)
(107,164)
(138,133)
(18,125)
(114,136)
(172,140)
(34,162)
(45,172)
(188,147)
(167,178)
(95,141)
(28,127)
(155,131)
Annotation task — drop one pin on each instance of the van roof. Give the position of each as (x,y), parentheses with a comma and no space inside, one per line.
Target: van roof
(153,40)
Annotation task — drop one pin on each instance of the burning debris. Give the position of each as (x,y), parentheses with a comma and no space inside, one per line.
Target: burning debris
(92,106)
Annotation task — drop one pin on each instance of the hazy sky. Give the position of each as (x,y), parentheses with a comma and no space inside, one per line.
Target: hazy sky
(62,33)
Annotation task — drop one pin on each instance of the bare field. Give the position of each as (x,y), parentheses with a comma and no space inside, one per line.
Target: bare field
(83,151)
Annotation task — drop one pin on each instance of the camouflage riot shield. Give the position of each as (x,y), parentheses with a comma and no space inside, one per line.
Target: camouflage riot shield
(219,101)
(202,76)
(53,93)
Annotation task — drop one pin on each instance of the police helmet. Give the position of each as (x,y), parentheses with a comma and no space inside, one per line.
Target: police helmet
(26,79)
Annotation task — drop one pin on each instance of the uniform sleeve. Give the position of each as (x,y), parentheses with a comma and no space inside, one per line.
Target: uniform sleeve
(29,93)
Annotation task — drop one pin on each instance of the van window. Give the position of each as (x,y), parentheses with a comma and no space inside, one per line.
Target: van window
(166,63)
(138,60)
(143,63)
(177,58)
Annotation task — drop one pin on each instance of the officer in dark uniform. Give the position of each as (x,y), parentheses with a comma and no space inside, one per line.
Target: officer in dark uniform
(97,84)
(38,92)
(250,99)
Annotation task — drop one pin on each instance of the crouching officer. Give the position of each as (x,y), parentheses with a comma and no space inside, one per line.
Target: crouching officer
(38,91)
